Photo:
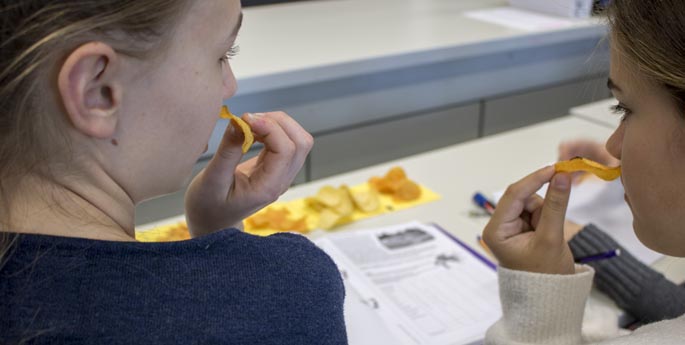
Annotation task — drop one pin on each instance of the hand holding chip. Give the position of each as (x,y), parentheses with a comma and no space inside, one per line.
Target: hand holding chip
(526,232)
(226,192)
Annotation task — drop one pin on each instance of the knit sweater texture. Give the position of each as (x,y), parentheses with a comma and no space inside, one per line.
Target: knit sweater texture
(225,288)
(548,309)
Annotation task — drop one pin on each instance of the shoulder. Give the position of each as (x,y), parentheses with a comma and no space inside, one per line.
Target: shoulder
(299,282)
(294,246)
(280,256)
(294,254)
(226,278)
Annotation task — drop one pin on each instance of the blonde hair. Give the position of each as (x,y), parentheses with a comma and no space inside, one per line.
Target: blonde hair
(651,34)
(36,35)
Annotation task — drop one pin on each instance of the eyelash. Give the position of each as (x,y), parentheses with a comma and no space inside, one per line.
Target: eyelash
(230,53)
(621,110)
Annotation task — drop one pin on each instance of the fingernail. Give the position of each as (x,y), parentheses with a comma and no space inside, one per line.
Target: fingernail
(562,181)
(254,116)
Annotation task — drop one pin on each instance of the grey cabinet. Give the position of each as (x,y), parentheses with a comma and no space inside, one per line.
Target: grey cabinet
(522,109)
(380,142)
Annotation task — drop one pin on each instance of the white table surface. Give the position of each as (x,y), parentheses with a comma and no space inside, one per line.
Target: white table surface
(599,112)
(305,42)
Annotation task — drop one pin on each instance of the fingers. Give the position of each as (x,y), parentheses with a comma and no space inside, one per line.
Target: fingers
(220,168)
(268,131)
(518,195)
(286,146)
(302,140)
(513,213)
(571,229)
(550,227)
(526,232)
(533,206)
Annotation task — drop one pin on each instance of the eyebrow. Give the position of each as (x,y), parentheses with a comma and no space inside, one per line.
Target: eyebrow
(612,86)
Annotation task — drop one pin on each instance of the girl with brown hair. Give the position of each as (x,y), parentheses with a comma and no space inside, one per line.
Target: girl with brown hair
(542,292)
(104,104)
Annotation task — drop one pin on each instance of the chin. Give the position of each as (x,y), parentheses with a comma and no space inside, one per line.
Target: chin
(168,181)
(162,191)
(659,241)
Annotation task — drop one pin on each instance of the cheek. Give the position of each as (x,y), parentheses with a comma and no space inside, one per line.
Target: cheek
(198,100)
(206,104)
(635,166)
(653,176)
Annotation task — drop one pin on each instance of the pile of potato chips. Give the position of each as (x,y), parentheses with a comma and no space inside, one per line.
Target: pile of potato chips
(328,208)
(336,205)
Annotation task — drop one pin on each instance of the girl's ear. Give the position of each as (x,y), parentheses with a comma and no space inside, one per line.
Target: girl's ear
(89,89)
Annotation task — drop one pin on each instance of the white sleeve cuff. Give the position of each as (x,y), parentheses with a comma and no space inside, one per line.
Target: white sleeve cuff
(542,308)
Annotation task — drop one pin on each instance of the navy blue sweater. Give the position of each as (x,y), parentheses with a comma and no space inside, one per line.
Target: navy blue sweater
(225,288)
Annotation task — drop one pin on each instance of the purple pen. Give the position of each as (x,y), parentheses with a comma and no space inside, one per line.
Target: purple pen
(601,256)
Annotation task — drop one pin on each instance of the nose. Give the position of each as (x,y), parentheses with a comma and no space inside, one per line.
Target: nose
(230,84)
(614,144)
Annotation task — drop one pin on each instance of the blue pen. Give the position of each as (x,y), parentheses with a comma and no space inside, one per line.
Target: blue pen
(484,203)
(596,257)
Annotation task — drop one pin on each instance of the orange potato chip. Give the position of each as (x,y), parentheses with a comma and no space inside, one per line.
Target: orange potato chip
(242,125)
(583,164)
(408,191)
(396,174)
(277,219)
(299,225)
(397,184)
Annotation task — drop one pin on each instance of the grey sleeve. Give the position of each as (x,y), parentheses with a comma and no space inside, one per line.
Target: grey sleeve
(636,288)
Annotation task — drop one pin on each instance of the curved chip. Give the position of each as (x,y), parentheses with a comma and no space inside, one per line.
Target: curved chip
(239,123)
(408,191)
(583,164)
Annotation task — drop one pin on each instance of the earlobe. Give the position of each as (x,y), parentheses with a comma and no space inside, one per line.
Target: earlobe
(89,89)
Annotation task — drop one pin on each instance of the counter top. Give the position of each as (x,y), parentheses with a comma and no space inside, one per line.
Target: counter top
(306,42)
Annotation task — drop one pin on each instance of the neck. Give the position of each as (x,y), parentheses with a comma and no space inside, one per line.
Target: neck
(73,207)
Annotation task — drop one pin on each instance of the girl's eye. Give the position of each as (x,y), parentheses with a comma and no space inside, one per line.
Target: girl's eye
(621,110)
(230,53)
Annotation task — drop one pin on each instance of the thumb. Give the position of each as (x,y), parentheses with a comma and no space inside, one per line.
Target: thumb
(553,214)
(227,157)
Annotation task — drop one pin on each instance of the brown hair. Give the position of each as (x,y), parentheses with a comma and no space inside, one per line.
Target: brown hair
(36,34)
(651,34)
